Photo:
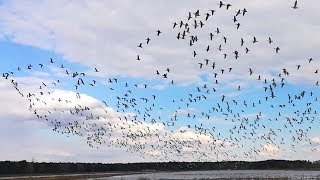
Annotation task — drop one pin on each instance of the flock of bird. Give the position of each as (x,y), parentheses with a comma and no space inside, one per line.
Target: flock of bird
(139,123)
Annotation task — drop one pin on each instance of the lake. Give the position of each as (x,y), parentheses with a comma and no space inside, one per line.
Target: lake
(223,174)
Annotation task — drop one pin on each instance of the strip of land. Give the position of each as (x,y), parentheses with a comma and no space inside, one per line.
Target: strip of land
(68,176)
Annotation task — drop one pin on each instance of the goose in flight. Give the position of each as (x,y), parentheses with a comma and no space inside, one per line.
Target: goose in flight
(242,41)
(174,25)
(207,16)
(254,40)
(228,5)
(158,32)
(221,4)
(247,50)
(201,64)
(238,25)
(190,16)
(235,19)
(211,36)
(295,6)
(148,40)
(238,12)
(250,71)
(244,11)
(194,53)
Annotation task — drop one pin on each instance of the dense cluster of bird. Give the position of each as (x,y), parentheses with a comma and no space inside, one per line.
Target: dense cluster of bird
(138,123)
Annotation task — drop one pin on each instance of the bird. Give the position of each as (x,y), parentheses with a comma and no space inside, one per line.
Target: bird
(236,54)
(158,32)
(194,54)
(207,61)
(190,16)
(223,97)
(207,16)
(225,39)
(174,24)
(244,11)
(238,25)
(234,19)
(298,66)
(211,36)
(228,6)
(218,31)
(238,12)
(221,4)
(277,49)
(208,48)
(254,40)
(250,71)
(295,6)
(213,65)
(242,42)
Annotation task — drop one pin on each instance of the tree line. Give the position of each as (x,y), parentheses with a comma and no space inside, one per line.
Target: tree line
(24,167)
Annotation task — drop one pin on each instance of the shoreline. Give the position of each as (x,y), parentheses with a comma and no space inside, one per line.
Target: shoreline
(112,174)
(68,176)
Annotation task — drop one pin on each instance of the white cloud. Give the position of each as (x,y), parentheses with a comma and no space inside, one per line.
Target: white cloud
(316,140)
(269,150)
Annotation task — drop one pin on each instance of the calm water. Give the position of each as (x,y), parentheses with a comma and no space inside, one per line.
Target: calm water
(225,174)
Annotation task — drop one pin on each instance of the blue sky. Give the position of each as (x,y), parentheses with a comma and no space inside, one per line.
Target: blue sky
(189,113)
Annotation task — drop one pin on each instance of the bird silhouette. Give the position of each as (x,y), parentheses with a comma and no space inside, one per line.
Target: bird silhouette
(295,6)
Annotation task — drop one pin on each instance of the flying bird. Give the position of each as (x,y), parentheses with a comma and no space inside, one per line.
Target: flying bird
(221,4)
(148,40)
(295,6)
(158,32)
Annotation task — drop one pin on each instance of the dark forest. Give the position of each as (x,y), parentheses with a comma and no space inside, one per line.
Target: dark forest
(24,167)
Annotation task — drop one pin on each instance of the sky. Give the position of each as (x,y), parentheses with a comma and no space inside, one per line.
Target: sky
(211,106)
